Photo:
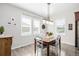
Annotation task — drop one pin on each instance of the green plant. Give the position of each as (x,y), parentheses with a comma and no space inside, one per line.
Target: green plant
(1,29)
(49,33)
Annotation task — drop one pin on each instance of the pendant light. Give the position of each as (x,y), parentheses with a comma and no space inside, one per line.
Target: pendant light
(48,11)
(48,16)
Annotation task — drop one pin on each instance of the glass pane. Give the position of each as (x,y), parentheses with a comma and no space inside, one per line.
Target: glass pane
(26,27)
(60,26)
(36,27)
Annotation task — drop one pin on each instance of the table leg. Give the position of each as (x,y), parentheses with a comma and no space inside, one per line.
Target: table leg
(35,46)
(48,50)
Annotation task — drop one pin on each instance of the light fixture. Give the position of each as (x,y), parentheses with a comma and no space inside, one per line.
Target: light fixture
(48,11)
(48,16)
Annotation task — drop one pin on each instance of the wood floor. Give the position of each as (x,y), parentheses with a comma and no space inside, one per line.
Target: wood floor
(24,51)
(66,50)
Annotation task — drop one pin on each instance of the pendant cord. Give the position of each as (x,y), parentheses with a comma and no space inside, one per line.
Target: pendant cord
(48,11)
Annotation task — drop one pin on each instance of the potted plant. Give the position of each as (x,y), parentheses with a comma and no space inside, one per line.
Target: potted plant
(49,33)
(1,29)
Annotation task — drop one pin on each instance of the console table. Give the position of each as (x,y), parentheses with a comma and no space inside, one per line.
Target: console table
(5,45)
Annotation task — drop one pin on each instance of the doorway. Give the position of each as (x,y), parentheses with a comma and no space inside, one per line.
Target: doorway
(76,29)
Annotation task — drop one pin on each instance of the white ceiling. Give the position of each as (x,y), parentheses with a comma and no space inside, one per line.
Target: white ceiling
(41,8)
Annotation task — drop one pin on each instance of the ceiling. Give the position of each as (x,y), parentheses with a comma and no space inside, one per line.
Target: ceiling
(42,9)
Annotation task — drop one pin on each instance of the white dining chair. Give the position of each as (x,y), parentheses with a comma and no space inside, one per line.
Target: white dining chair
(56,45)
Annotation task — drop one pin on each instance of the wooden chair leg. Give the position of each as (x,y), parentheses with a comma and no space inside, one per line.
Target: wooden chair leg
(35,46)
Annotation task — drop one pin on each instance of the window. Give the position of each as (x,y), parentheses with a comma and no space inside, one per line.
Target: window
(36,27)
(60,26)
(26,28)
(29,26)
(50,26)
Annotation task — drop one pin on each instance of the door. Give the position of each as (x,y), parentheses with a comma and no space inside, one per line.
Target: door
(77,33)
(76,29)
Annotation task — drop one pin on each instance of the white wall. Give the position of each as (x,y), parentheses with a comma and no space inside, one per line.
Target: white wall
(68,15)
(6,12)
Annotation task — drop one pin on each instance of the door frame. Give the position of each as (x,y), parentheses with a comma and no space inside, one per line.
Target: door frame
(76,43)
(76,22)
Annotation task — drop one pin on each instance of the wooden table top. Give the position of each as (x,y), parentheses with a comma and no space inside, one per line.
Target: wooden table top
(48,39)
(4,36)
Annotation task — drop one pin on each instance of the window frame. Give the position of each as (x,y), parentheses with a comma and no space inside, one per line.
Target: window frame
(30,32)
(32,25)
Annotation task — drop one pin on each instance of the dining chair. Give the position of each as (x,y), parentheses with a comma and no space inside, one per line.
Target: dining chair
(39,46)
(57,45)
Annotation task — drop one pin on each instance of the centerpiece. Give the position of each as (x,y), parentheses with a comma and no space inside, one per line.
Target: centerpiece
(49,34)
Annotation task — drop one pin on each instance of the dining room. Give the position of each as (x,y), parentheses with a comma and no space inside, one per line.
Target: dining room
(39,29)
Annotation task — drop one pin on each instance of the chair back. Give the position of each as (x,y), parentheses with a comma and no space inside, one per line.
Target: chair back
(39,46)
(58,40)
(58,44)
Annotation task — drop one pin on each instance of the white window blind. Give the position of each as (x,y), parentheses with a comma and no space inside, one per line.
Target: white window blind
(36,27)
(26,25)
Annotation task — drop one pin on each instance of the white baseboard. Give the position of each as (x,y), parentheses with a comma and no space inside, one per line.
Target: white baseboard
(68,43)
(22,45)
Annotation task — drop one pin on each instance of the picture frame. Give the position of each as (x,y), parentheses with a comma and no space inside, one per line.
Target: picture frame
(70,26)
(43,26)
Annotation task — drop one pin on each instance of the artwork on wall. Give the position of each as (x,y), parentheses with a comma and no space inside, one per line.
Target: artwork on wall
(43,26)
(12,21)
(70,26)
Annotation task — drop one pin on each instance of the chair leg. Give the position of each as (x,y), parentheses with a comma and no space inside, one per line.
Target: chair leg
(59,50)
(35,47)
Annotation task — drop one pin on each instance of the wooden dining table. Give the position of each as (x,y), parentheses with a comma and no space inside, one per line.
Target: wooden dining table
(47,41)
